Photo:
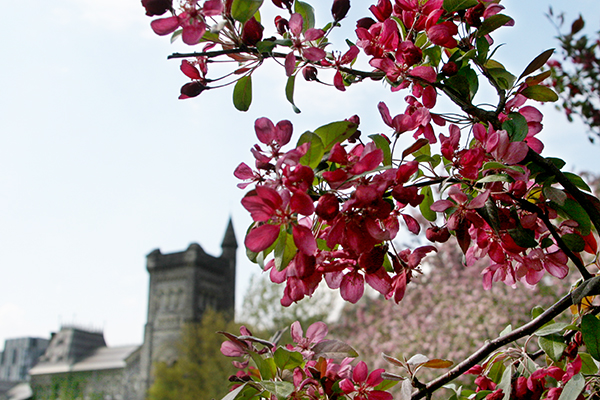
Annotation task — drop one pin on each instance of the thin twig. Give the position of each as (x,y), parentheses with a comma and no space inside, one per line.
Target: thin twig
(527,329)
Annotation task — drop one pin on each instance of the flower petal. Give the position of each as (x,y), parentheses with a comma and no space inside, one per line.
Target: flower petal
(304,239)
(164,26)
(352,287)
(317,332)
(261,237)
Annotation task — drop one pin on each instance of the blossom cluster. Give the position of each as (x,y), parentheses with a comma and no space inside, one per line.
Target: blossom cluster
(542,383)
(345,238)
(311,368)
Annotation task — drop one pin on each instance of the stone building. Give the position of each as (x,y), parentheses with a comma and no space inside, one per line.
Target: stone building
(19,356)
(79,365)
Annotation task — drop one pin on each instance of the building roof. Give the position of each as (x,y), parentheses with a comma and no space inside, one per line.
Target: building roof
(21,391)
(100,359)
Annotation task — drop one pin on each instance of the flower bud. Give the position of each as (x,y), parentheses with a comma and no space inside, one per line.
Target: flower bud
(157,7)
(473,15)
(450,68)
(191,89)
(577,25)
(365,22)
(283,3)
(309,73)
(340,9)
(437,234)
(328,207)
(252,32)
(282,25)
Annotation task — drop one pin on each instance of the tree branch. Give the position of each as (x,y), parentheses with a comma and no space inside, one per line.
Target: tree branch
(561,244)
(569,186)
(376,75)
(493,345)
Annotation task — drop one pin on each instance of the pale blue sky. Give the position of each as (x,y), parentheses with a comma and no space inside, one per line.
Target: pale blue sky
(100,163)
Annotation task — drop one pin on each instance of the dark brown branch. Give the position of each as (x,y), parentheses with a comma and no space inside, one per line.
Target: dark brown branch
(474,111)
(214,53)
(569,186)
(254,51)
(493,345)
(561,244)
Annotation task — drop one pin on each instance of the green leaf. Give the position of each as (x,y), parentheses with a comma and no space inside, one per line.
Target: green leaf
(333,349)
(483,47)
(506,331)
(281,389)
(244,391)
(243,10)
(490,214)
(460,85)
(383,144)
(425,206)
(424,149)
(556,195)
(468,55)
(492,23)
(553,346)
(315,152)
(496,371)
(416,146)
(335,132)
(289,92)
(472,81)
(558,163)
(265,46)
(536,312)
(432,55)
(537,63)
(574,211)
(386,384)
(574,242)
(387,264)
(551,328)
(284,42)
(495,178)
(175,35)
(573,388)
(209,37)
(504,79)
(588,366)
(590,287)
(285,249)
(505,382)
(438,363)
(540,93)
(516,126)
(307,12)
(590,329)
(457,5)
(523,237)
(266,366)
(285,359)
(577,181)
(242,93)
(421,40)
(493,165)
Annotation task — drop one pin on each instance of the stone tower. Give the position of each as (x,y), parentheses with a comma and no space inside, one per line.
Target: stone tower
(182,286)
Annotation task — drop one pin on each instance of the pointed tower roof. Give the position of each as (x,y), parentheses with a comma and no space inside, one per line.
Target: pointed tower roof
(229,239)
